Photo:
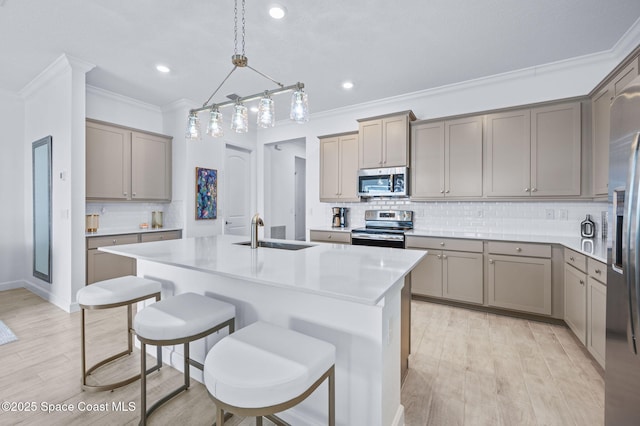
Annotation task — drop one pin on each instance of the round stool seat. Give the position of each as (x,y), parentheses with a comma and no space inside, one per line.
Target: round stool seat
(117,290)
(181,316)
(263,365)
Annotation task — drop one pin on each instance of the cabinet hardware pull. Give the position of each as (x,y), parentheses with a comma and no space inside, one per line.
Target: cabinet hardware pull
(518,249)
(439,256)
(330,236)
(581,282)
(442,243)
(534,190)
(444,256)
(133,194)
(441,191)
(598,271)
(572,259)
(526,190)
(447,191)
(115,241)
(124,193)
(491,261)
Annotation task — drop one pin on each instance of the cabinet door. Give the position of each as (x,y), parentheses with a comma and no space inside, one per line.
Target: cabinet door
(462,276)
(426,277)
(396,141)
(555,150)
(370,144)
(427,160)
(329,169)
(575,301)
(624,77)
(520,283)
(150,167)
(600,110)
(463,157)
(108,162)
(160,236)
(348,177)
(507,171)
(103,266)
(596,319)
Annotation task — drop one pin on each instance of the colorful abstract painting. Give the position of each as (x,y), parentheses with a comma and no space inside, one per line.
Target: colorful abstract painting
(206,193)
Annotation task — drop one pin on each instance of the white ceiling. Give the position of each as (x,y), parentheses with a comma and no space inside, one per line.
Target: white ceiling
(386,48)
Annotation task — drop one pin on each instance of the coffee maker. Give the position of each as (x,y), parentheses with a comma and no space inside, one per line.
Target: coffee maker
(339,219)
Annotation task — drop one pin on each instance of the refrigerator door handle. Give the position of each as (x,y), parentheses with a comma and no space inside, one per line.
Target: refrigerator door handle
(631,239)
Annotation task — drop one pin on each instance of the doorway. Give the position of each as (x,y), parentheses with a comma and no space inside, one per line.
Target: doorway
(285,189)
(237,185)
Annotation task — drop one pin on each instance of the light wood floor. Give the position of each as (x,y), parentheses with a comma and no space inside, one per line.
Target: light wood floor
(467,368)
(476,368)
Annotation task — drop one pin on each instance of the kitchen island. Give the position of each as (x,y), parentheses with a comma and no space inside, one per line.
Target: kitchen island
(347,295)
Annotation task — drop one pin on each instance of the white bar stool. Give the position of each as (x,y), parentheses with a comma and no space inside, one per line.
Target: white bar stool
(179,319)
(111,294)
(263,369)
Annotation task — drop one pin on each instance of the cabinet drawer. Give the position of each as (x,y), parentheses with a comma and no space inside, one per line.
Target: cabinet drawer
(160,236)
(576,259)
(597,270)
(520,249)
(331,237)
(112,240)
(434,243)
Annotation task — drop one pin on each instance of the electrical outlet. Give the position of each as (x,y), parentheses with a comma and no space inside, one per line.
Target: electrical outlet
(549,214)
(563,214)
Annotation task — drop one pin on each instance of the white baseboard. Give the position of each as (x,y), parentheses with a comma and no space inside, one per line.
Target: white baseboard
(42,293)
(10,285)
(398,420)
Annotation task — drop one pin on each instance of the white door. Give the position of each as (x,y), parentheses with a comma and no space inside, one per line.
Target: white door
(237,190)
(300,195)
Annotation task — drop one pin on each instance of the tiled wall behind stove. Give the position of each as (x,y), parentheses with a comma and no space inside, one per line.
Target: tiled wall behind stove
(548,218)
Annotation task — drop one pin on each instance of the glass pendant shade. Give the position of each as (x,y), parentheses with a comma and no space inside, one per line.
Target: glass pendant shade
(240,119)
(299,107)
(266,112)
(193,127)
(214,128)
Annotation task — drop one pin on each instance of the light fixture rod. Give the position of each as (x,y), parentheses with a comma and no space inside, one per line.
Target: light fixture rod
(265,76)
(216,91)
(297,86)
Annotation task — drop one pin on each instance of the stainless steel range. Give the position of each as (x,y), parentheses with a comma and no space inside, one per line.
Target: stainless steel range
(383,228)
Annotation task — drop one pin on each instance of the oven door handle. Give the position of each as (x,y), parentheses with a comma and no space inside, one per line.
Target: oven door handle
(379,237)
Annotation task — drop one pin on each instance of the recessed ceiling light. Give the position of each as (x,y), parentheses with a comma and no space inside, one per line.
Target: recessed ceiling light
(163,68)
(347,85)
(277,12)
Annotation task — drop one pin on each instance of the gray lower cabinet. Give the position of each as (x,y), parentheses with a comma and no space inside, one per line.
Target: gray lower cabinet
(575,301)
(596,319)
(517,281)
(336,237)
(455,275)
(103,266)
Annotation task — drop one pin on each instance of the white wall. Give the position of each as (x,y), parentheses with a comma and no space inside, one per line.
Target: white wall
(14,190)
(570,78)
(55,105)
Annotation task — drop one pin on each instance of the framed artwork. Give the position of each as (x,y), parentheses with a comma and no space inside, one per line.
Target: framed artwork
(206,193)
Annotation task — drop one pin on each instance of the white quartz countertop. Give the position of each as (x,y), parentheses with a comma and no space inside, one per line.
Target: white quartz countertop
(353,273)
(592,247)
(121,231)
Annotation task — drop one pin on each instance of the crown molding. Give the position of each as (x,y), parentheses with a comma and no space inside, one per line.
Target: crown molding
(122,98)
(180,104)
(63,63)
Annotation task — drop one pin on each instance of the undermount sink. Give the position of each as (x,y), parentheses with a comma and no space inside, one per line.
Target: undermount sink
(277,245)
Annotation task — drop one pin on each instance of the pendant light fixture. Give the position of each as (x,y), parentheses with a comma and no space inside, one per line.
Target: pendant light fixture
(266,107)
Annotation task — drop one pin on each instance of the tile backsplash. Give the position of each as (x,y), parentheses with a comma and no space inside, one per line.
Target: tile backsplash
(131,215)
(561,218)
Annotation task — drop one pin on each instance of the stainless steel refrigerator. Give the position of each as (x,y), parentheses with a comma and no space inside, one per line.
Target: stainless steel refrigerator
(622,375)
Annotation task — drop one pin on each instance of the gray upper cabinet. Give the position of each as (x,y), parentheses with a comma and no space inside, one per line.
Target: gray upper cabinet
(600,110)
(339,167)
(555,150)
(534,152)
(446,158)
(384,141)
(508,165)
(126,165)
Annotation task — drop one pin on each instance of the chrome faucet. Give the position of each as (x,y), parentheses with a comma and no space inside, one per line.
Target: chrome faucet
(256,221)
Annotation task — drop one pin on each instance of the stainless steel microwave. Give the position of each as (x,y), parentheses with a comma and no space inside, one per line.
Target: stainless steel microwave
(388,182)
